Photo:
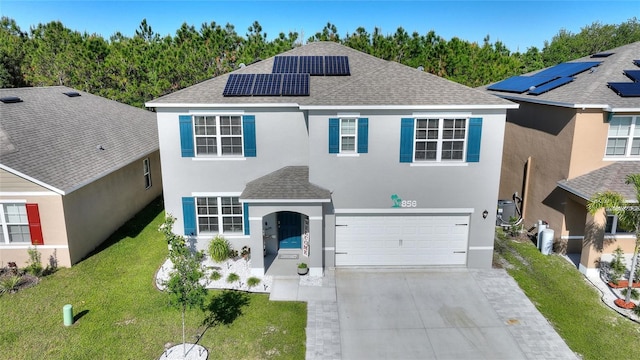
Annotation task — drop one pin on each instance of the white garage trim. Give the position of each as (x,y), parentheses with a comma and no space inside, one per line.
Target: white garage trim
(402,239)
(392,211)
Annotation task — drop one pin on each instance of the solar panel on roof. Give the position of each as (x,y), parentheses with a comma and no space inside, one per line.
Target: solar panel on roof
(267,84)
(625,89)
(568,69)
(239,85)
(633,74)
(602,55)
(312,65)
(295,85)
(519,84)
(336,65)
(285,65)
(551,85)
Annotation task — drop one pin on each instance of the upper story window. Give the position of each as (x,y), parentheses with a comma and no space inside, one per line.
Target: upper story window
(613,227)
(348,135)
(623,139)
(436,139)
(20,223)
(217,136)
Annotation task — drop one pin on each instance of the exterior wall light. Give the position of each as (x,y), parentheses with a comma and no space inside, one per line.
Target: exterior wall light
(485,214)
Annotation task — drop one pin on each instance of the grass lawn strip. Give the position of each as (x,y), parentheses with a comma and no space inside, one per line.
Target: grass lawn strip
(569,302)
(123,316)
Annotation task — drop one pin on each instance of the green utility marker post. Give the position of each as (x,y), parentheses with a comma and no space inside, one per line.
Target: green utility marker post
(67,313)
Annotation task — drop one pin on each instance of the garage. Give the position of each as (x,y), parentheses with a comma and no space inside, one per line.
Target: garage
(401,240)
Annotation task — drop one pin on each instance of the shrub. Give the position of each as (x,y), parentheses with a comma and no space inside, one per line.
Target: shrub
(232,277)
(617,265)
(635,295)
(34,266)
(219,249)
(302,266)
(215,275)
(252,281)
(636,310)
(10,283)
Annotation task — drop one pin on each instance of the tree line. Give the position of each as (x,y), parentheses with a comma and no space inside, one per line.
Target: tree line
(136,69)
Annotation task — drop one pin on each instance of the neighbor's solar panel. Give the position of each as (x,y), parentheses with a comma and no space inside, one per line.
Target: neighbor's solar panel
(568,69)
(550,85)
(336,65)
(267,84)
(633,75)
(312,65)
(519,84)
(239,85)
(625,89)
(285,65)
(295,85)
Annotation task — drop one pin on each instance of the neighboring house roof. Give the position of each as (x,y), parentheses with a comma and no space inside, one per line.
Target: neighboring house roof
(288,183)
(54,140)
(589,89)
(608,178)
(373,82)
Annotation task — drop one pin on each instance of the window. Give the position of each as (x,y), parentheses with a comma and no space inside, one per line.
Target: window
(15,223)
(147,173)
(613,227)
(348,136)
(217,135)
(440,139)
(219,215)
(623,138)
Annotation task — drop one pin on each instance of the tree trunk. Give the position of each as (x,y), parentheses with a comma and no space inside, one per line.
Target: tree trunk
(634,263)
(184,345)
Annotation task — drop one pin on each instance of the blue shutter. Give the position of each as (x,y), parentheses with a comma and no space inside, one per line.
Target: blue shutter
(245,213)
(249,133)
(406,140)
(186,136)
(189,215)
(363,135)
(334,136)
(475,135)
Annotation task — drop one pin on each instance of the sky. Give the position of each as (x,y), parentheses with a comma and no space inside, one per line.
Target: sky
(517,24)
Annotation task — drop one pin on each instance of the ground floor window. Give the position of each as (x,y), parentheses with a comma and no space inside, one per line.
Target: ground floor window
(15,224)
(147,173)
(613,227)
(219,214)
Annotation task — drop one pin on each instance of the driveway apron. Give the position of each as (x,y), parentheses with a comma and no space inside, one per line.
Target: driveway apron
(433,314)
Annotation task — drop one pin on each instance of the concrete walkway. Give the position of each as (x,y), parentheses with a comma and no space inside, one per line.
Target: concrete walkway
(509,327)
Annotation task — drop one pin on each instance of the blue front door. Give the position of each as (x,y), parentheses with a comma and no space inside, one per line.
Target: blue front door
(289,230)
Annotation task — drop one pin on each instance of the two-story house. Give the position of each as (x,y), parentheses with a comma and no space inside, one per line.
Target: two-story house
(345,158)
(576,133)
(74,167)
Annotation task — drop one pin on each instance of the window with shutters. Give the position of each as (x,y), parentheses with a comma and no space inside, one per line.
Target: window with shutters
(218,135)
(15,224)
(348,135)
(219,215)
(439,139)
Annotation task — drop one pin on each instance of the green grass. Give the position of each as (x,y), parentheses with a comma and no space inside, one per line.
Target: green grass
(121,315)
(573,306)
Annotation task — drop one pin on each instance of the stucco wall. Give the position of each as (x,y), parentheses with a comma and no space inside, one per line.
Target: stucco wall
(589,143)
(95,211)
(15,188)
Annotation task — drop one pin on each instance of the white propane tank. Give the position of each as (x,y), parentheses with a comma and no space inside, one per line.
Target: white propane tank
(541,226)
(547,241)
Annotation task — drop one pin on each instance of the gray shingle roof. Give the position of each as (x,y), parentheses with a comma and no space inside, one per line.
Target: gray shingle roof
(373,82)
(288,183)
(590,88)
(610,177)
(53,138)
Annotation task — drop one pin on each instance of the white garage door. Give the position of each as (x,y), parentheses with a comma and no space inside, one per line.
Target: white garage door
(401,240)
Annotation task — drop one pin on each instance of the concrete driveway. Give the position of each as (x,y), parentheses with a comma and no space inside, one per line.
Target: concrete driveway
(440,314)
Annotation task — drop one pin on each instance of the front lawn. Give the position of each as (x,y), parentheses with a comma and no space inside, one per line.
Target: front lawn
(121,315)
(569,302)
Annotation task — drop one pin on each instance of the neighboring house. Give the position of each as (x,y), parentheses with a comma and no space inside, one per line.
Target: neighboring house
(349,159)
(74,167)
(576,133)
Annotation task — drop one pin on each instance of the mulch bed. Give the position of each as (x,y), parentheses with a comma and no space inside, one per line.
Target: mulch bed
(625,305)
(623,284)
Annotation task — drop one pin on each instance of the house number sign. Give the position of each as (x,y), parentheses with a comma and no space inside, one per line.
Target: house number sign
(397,202)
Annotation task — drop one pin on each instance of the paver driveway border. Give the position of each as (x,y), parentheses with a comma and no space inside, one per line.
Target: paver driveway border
(443,313)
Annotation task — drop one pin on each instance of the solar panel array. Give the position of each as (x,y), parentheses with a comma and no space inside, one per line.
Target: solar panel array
(545,80)
(267,85)
(312,65)
(628,89)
